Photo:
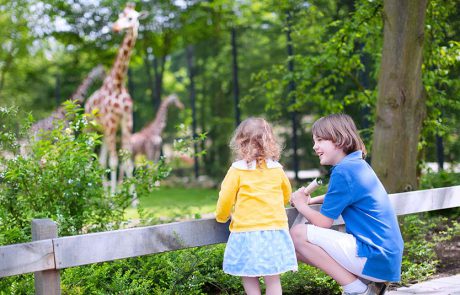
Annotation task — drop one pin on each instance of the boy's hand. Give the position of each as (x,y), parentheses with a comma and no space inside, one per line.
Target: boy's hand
(299,198)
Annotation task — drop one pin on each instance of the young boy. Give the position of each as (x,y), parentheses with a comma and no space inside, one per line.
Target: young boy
(371,249)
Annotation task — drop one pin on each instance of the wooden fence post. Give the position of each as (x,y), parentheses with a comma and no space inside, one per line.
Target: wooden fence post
(47,282)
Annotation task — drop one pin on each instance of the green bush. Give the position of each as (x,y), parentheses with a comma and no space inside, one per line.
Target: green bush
(421,233)
(439,179)
(59,178)
(419,260)
(191,271)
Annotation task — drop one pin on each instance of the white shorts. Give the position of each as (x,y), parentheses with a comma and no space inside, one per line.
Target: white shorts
(341,247)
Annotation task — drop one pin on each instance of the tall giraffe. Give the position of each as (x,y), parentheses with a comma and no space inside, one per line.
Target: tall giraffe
(47,124)
(112,100)
(148,141)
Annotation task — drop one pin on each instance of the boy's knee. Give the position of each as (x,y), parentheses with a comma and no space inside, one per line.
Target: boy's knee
(298,233)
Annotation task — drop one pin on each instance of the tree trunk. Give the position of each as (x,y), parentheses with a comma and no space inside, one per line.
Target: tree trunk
(401,97)
(158,70)
(291,88)
(236,86)
(191,72)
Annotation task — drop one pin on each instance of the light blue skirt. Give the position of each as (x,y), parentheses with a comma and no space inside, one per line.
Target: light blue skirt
(259,253)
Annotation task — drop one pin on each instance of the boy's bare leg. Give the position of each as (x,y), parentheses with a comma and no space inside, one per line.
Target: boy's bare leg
(314,255)
(251,285)
(273,285)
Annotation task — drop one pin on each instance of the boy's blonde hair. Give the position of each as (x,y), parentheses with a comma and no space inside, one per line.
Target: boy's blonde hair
(341,130)
(254,140)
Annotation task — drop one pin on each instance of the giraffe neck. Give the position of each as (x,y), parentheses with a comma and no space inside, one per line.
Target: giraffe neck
(79,94)
(120,66)
(159,123)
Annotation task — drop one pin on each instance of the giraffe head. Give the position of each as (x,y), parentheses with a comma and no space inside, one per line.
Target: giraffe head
(173,98)
(129,18)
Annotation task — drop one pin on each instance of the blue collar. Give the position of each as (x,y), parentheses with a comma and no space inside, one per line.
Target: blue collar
(357,155)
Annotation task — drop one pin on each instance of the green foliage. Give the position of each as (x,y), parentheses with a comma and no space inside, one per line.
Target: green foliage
(440,72)
(422,233)
(190,271)
(439,179)
(11,130)
(419,259)
(60,178)
(328,75)
(308,280)
(184,143)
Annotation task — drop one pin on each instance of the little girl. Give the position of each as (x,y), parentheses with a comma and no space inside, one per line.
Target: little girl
(254,193)
(371,249)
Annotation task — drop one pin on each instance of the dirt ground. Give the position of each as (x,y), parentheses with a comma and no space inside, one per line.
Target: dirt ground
(449,256)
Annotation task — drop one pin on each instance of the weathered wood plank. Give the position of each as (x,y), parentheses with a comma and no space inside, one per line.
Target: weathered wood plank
(107,246)
(27,257)
(426,200)
(47,282)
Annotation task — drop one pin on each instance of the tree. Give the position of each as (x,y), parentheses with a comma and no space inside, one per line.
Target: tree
(401,101)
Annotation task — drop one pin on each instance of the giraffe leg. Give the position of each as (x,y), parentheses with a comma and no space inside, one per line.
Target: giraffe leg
(113,160)
(156,153)
(103,155)
(156,148)
(150,150)
(128,165)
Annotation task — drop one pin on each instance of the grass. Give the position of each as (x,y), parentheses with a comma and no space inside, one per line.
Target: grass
(174,203)
(169,202)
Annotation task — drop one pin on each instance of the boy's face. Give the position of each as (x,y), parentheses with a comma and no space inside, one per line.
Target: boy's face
(327,151)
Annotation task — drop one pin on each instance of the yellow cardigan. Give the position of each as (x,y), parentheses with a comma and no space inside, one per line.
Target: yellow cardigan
(254,197)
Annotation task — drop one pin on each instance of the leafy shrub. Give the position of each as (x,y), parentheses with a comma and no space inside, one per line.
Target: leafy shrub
(191,271)
(59,178)
(308,280)
(422,233)
(419,259)
(439,179)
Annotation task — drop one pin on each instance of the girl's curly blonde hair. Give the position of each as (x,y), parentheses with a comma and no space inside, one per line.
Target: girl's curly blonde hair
(254,140)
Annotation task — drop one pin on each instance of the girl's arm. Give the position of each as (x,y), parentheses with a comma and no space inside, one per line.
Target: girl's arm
(286,187)
(227,196)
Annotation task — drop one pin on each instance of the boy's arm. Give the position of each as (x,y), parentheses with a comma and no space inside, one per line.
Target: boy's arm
(227,196)
(300,201)
(316,200)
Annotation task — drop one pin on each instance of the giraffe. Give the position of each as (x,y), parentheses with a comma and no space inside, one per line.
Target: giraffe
(112,101)
(148,140)
(47,124)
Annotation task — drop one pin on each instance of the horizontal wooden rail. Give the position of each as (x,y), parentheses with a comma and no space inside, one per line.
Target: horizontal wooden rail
(27,257)
(63,252)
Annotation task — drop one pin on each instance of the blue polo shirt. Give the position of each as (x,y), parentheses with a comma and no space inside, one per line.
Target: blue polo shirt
(357,194)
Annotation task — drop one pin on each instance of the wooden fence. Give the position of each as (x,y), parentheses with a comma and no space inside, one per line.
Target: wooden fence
(48,253)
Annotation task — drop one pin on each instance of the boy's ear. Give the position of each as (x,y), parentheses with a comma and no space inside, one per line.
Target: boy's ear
(143,14)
